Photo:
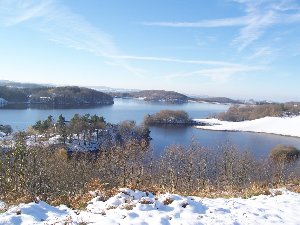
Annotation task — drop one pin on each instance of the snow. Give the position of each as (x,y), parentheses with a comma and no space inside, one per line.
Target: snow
(289,126)
(2,135)
(137,207)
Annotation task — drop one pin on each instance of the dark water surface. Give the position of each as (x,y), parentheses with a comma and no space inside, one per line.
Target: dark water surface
(130,109)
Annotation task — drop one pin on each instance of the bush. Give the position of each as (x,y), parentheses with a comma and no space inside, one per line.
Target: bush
(282,153)
(168,117)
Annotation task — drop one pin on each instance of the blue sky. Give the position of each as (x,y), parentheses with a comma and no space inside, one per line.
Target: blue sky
(236,48)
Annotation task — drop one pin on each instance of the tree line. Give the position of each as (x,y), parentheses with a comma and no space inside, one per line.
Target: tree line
(69,95)
(87,129)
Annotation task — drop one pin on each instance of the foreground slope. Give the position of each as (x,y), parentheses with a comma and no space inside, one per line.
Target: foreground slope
(136,207)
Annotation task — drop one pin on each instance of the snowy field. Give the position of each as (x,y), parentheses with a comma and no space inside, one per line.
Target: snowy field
(136,207)
(289,126)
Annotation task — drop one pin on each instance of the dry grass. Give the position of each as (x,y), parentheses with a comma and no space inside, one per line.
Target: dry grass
(145,201)
(127,206)
(13,198)
(284,154)
(168,201)
(253,190)
(90,190)
(294,185)
(111,207)
(151,188)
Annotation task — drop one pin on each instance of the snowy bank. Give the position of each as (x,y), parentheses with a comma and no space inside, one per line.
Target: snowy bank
(289,126)
(136,207)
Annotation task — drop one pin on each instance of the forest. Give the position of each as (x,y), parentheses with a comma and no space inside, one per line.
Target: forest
(57,96)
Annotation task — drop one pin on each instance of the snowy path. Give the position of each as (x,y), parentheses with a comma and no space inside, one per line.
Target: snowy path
(289,126)
(136,207)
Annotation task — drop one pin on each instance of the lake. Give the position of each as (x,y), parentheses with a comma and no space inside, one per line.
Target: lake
(132,109)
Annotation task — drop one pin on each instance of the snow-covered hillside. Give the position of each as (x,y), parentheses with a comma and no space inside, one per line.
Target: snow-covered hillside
(289,126)
(136,207)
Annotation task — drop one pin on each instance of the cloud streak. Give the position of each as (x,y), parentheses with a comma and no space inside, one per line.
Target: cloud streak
(261,52)
(219,75)
(227,22)
(259,17)
(175,60)
(63,27)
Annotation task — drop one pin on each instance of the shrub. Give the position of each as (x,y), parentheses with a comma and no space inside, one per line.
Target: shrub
(58,177)
(168,117)
(285,154)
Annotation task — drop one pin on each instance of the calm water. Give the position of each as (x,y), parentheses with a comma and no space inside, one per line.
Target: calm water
(123,109)
(128,109)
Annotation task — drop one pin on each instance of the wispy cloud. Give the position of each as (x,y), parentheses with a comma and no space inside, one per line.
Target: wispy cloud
(175,60)
(13,12)
(63,27)
(259,17)
(216,71)
(262,52)
(227,22)
(219,74)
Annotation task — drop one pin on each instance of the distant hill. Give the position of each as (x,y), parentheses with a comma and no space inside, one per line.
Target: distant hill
(14,84)
(57,96)
(222,100)
(34,93)
(153,95)
(171,97)
(160,95)
(112,90)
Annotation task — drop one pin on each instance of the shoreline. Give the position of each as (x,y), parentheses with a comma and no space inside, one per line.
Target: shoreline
(252,132)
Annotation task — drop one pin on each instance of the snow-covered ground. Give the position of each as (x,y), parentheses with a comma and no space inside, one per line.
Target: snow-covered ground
(136,207)
(289,126)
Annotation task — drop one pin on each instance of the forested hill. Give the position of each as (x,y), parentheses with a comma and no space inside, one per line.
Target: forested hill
(154,95)
(14,84)
(63,96)
(13,94)
(222,100)
(171,96)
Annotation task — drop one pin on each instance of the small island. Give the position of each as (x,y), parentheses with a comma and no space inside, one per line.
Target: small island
(170,117)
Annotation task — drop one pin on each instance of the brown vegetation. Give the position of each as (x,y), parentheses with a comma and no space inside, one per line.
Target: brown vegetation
(168,117)
(47,173)
(284,154)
